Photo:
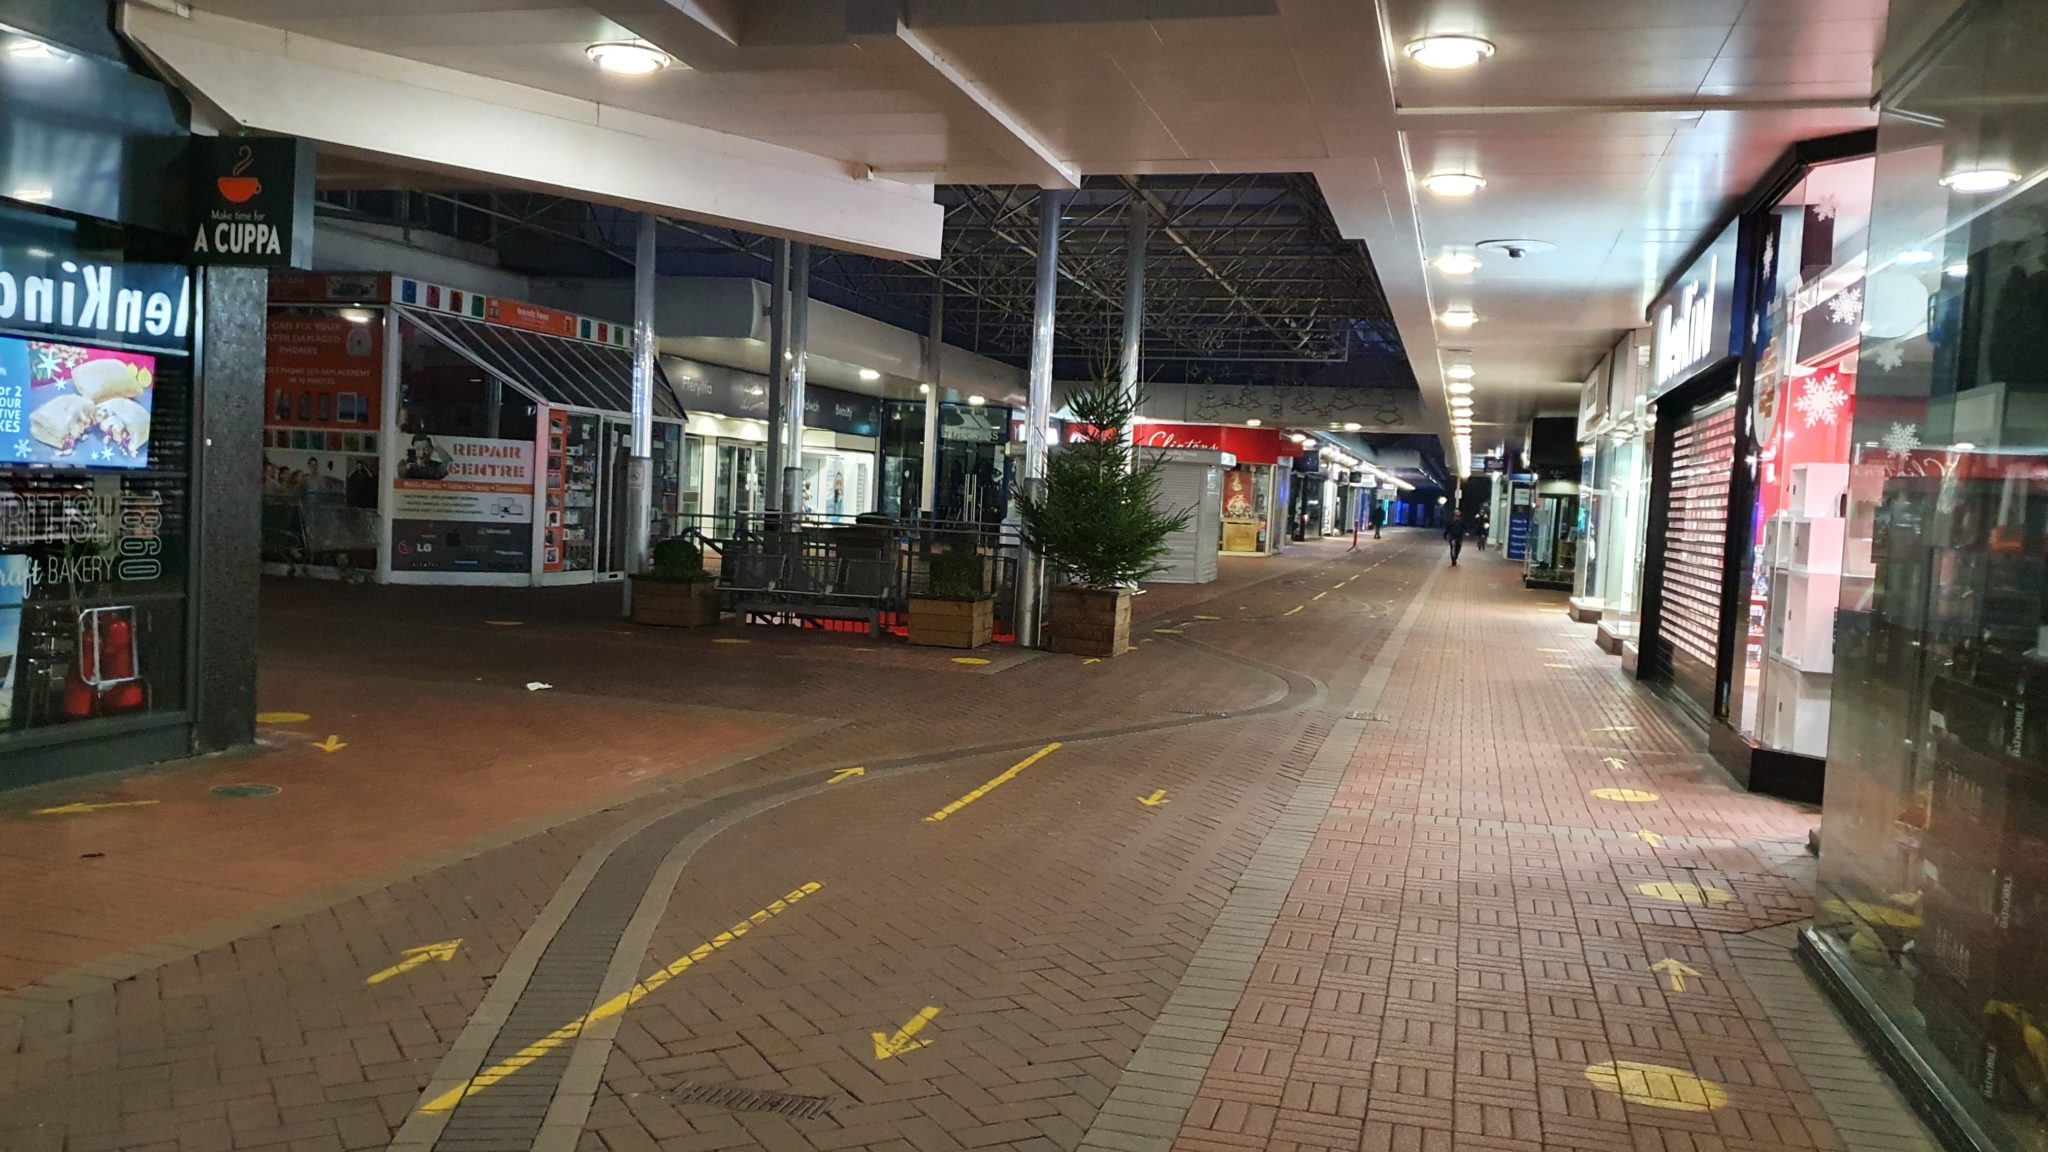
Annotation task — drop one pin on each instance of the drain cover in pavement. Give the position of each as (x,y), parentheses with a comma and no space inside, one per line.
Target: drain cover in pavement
(744,1100)
(246,791)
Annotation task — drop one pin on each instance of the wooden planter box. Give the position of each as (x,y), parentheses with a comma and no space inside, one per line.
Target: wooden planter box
(952,623)
(1089,621)
(670,605)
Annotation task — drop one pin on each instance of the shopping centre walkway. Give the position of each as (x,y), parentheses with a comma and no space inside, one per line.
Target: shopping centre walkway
(1354,851)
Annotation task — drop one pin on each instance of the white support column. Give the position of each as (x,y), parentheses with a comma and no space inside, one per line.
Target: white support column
(934,345)
(778,375)
(799,352)
(1140,232)
(1038,405)
(639,509)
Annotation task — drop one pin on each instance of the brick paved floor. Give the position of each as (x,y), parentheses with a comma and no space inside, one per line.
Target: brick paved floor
(1457,956)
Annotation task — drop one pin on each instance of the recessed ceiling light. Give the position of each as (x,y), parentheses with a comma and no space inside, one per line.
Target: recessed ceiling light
(1460,316)
(27,48)
(924,389)
(1461,372)
(1352,425)
(1976,180)
(1448,53)
(977,401)
(1915,256)
(357,315)
(1957,270)
(34,195)
(1459,387)
(628,57)
(1453,185)
(1253,422)
(870,374)
(1456,264)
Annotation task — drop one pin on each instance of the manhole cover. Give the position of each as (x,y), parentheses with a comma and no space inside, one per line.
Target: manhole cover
(246,791)
(745,1100)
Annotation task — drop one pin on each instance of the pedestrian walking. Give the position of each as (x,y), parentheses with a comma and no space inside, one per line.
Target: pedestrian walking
(1379,518)
(1454,534)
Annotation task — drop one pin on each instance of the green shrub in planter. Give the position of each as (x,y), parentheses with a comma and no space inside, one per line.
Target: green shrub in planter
(956,575)
(675,591)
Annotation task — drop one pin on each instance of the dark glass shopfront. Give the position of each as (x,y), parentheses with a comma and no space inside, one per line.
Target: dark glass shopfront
(1933,920)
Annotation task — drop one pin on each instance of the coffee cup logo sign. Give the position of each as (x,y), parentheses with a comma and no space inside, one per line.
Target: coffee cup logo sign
(253,198)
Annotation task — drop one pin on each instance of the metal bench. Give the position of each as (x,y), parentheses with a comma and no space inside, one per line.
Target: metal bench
(772,585)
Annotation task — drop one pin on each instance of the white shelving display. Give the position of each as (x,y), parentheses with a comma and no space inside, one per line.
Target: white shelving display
(1806,546)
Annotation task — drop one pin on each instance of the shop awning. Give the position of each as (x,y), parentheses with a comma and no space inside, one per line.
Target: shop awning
(551,369)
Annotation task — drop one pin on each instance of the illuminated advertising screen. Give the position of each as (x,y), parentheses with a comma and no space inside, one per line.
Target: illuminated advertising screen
(69,406)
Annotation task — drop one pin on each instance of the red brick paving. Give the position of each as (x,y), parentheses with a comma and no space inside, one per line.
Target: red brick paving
(1463,940)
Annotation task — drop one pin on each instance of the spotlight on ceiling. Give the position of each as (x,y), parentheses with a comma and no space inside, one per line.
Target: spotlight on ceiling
(1453,185)
(977,401)
(1459,387)
(1448,53)
(628,57)
(1973,181)
(1461,372)
(1459,316)
(1352,425)
(870,374)
(1253,422)
(1456,264)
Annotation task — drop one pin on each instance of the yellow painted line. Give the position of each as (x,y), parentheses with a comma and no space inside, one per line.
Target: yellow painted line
(1624,795)
(846,774)
(414,957)
(1198,616)
(1657,1086)
(1169,631)
(1319,595)
(1008,775)
(1552,650)
(1339,584)
(1557,665)
(730,640)
(282,717)
(505,623)
(82,809)
(1293,610)
(614,1006)
(971,661)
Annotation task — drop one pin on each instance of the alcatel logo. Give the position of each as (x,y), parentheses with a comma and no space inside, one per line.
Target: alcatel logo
(1685,330)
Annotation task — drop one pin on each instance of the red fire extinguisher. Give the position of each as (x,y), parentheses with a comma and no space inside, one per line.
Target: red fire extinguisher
(105,678)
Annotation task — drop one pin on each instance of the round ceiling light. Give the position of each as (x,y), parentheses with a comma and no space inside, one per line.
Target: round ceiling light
(1448,53)
(1461,372)
(1456,264)
(628,57)
(1352,425)
(1459,387)
(870,374)
(1460,316)
(977,401)
(1974,181)
(1253,422)
(1453,185)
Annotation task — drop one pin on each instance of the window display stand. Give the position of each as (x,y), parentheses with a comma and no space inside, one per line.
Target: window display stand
(1805,547)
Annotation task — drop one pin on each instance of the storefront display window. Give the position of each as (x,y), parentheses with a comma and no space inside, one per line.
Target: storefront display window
(1247,508)
(838,485)
(1936,833)
(95,521)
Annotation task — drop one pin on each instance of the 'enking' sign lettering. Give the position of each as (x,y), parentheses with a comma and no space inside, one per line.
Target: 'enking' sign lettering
(53,293)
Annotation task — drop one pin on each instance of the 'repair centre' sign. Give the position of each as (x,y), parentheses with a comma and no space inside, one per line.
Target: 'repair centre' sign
(252,201)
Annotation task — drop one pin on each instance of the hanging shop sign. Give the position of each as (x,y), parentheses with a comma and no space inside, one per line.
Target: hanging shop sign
(47,290)
(70,406)
(732,393)
(1695,325)
(1249,445)
(252,201)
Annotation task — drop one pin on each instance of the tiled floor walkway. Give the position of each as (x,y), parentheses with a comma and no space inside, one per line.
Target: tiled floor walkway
(1355,852)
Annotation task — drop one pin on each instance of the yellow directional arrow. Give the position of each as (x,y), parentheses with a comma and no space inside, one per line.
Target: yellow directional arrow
(890,1047)
(1615,762)
(414,957)
(1650,838)
(1091,660)
(1157,798)
(82,809)
(1676,971)
(846,774)
(331,744)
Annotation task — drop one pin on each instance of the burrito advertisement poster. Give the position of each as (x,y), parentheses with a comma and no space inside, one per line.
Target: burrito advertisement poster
(75,407)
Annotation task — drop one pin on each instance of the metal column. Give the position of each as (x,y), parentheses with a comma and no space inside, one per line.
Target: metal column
(640,462)
(1038,406)
(778,371)
(934,343)
(799,352)
(1140,232)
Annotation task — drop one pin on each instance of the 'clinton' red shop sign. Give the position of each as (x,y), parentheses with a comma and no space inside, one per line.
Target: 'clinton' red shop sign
(1249,445)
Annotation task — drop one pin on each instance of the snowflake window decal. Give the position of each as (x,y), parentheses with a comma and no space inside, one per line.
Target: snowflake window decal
(1846,307)
(1821,401)
(1901,440)
(1890,357)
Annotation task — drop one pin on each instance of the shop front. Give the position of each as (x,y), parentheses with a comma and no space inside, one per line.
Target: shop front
(974,462)
(127,594)
(1621,452)
(1251,501)
(722,449)
(1931,921)
(1699,334)
(420,434)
